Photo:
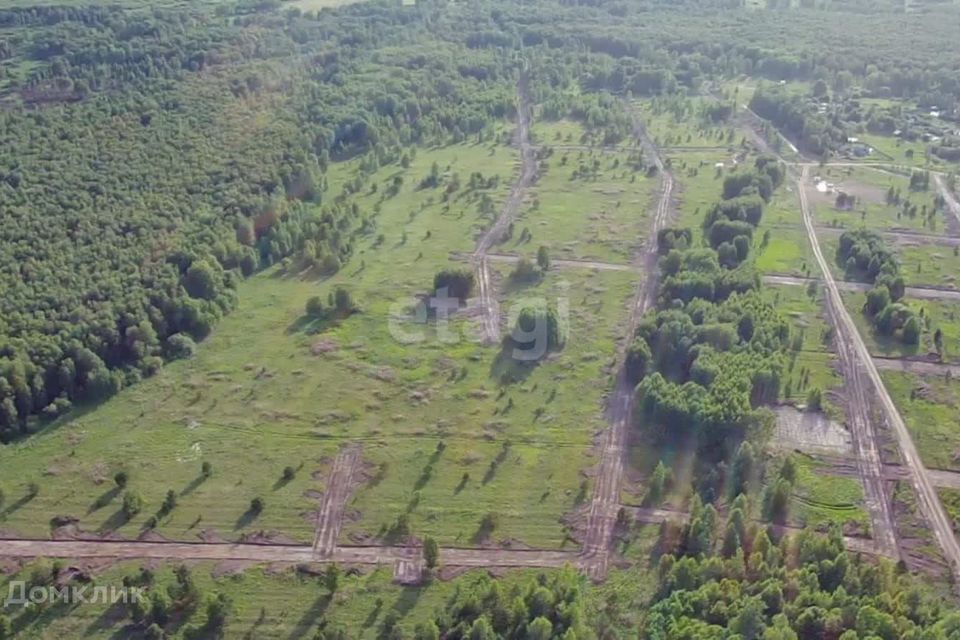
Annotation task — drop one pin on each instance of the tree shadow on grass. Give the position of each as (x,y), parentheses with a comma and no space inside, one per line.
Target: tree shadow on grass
(193,486)
(104,499)
(311,616)
(15,506)
(373,615)
(507,370)
(408,599)
(245,519)
(116,520)
(111,617)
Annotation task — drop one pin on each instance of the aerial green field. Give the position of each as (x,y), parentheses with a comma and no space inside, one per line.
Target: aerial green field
(298,392)
(929,265)
(812,366)
(935,314)
(697,180)
(678,121)
(929,406)
(821,499)
(586,206)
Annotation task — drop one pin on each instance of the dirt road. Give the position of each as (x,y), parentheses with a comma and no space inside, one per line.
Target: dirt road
(860,373)
(605,502)
(923,367)
(920,293)
(948,197)
(288,554)
(528,171)
(335,497)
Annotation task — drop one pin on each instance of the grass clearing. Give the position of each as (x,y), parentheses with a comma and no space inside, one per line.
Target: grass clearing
(871,209)
(586,206)
(930,407)
(812,366)
(821,499)
(677,121)
(265,392)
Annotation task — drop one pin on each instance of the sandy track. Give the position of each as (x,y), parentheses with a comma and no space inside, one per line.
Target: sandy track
(923,367)
(567,263)
(292,554)
(858,362)
(607,149)
(528,171)
(330,517)
(605,502)
(857,385)
(920,293)
(948,197)
(944,478)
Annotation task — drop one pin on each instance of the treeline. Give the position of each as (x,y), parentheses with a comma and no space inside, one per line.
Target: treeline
(751,584)
(799,120)
(806,586)
(864,256)
(712,351)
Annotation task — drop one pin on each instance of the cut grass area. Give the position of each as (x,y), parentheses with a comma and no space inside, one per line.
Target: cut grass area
(559,133)
(586,206)
(929,406)
(902,151)
(821,499)
(783,250)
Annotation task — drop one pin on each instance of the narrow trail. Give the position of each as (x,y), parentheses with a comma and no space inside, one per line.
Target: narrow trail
(947,196)
(287,554)
(922,367)
(528,171)
(605,502)
(920,293)
(330,517)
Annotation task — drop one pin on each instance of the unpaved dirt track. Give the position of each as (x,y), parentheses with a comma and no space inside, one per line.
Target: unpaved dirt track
(605,503)
(922,367)
(528,171)
(330,516)
(948,197)
(570,263)
(859,370)
(865,441)
(920,293)
(292,554)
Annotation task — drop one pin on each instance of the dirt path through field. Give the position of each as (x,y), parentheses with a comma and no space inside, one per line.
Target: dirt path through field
(335,497)
(528,171)
(605,502)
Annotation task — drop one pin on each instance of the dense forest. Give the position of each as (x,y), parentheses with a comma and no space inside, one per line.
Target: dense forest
(152,158)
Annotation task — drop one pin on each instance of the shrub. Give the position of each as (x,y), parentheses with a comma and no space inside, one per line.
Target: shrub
(180,346)
(132,504)
(257,505)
